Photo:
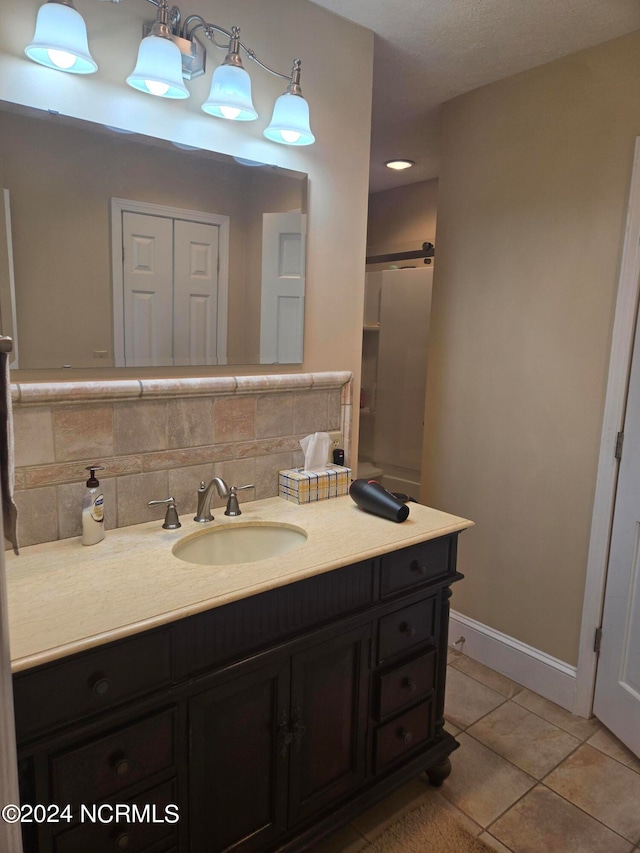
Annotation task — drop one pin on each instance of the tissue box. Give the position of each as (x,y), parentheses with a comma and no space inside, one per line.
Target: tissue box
(303,487)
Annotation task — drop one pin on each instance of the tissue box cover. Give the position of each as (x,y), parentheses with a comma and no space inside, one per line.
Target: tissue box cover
(304,487)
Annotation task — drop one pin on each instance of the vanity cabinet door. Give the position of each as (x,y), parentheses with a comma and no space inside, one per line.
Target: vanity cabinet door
(238,773)
(271,746)
(329,697)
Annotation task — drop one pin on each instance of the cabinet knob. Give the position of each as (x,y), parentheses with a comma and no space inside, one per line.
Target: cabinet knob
(409,684)
(123,841)
(100,686)
(420,568)
(407,629)
(122,766)
(405,736)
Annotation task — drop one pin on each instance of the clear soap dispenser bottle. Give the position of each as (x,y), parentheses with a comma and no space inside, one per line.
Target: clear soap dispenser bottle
(93,509)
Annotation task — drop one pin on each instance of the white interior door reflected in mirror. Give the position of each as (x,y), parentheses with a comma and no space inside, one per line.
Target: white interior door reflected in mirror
(283,283)
(170,285)
(147,274)
(195,294)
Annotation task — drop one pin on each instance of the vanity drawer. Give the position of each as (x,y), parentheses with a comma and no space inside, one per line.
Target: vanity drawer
(90,683)
(134,837)
(406,628)
(110,764)
(406,684)
(403,734)
(415,565)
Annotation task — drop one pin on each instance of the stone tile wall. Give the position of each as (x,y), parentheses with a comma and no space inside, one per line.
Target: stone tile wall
(158,438)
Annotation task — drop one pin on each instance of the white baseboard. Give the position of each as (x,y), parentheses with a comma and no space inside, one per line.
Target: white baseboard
(545,675)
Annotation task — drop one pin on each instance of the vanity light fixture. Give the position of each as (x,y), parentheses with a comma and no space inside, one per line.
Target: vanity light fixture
(158,70)
(60,40)
(399,165)
(169,52)
(290,119)
(230,95)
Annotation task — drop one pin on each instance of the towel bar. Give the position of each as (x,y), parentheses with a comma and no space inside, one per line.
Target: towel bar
(6,343)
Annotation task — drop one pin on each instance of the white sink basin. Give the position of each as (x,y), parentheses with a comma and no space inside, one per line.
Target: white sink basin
(239,542)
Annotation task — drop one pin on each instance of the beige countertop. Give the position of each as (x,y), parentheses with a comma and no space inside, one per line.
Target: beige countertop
(65,597)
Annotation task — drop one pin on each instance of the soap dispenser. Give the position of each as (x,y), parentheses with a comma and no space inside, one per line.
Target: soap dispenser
(93,509)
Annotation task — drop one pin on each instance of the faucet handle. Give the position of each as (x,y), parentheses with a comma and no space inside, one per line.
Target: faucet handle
(233,507)
(171,520)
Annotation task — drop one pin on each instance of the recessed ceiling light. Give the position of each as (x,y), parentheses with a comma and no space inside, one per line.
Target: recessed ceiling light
(399,164)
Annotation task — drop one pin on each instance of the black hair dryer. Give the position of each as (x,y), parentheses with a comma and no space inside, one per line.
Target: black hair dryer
(374,498)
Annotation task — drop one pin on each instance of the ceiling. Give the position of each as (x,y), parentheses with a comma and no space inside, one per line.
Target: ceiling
(428,51)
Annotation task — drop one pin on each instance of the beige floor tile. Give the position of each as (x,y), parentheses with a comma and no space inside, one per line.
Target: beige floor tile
(602,787)
(493,843)
(607,743)
(461,818)
(452,654)
(526,740)
(576,726)
(449,727)
(489,677)
(482,784)
(374,821)
(345,840)
(542,822)
(467,700)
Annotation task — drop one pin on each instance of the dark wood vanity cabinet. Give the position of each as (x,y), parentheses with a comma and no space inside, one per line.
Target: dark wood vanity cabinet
(275,744)
(263,724)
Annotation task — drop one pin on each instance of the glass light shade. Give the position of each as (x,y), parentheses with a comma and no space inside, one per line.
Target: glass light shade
(158,70)
(290,121)
(230,95)
(60,40)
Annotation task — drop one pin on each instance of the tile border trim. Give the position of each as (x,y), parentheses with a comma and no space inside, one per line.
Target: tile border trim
(51,393)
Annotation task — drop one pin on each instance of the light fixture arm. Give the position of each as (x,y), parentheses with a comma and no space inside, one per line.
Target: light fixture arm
(233,49)
(167,19)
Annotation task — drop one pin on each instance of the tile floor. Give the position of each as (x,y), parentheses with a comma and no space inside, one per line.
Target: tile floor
(529,777)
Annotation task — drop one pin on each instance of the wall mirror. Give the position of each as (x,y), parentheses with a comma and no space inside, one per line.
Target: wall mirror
(126,251)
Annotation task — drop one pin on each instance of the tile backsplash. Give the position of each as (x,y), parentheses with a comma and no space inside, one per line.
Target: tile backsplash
(157,438)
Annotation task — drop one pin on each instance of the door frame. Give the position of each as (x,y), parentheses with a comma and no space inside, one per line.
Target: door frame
(613,422)
(124,205)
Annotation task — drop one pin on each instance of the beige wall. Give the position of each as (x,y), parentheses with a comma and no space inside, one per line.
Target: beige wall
(402,218)
(531,211)
(337,164)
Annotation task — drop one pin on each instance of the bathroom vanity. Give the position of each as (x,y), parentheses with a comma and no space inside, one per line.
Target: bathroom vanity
(272,703)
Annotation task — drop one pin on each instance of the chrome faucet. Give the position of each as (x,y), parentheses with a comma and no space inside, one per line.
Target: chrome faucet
(205,494)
